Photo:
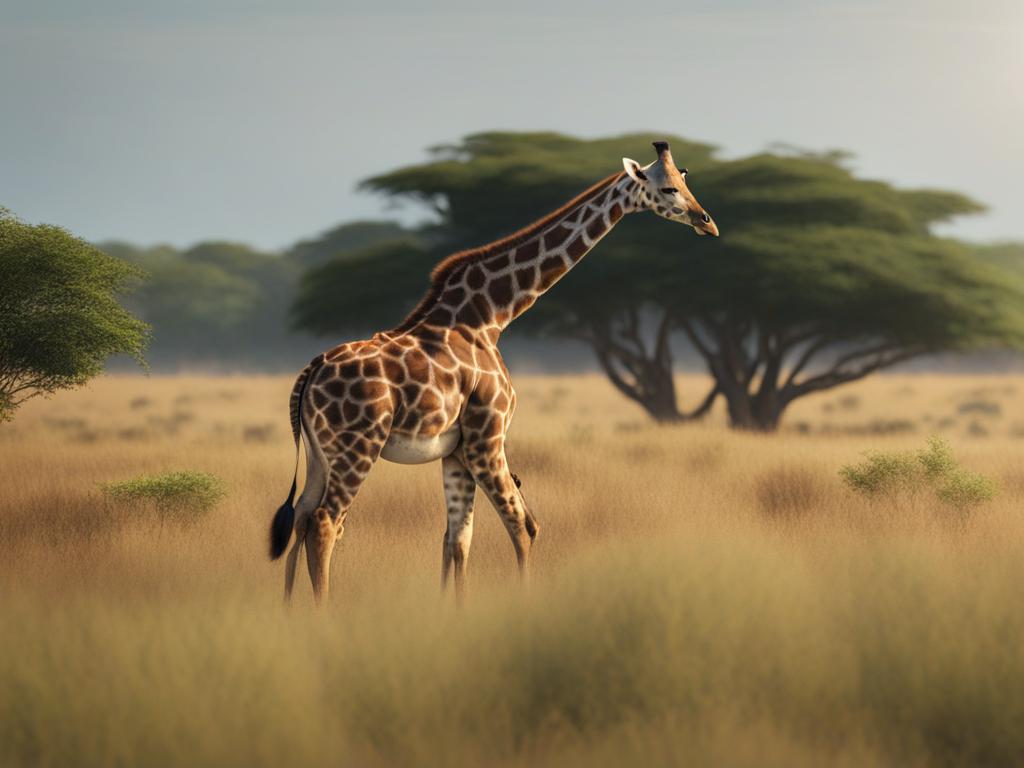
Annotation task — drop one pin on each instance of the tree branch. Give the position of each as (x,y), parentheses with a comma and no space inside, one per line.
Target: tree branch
(699,345)
(662,353)
(837,376)
(805,357)
(613,375)
(705,404)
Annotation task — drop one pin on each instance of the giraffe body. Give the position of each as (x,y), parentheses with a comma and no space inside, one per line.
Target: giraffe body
(412,449)
(436,387)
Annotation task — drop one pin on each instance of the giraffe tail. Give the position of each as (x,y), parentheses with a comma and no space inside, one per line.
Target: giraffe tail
(284,520)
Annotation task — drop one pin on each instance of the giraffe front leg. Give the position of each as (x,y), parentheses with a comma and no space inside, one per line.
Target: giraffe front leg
(459,489)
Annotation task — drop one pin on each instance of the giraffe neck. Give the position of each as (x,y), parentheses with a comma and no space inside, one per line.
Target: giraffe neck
(487,288)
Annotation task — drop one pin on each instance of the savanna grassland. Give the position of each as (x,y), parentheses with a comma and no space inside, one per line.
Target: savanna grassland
(698,596)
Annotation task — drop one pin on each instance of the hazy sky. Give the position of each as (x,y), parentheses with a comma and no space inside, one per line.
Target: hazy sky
(174,121)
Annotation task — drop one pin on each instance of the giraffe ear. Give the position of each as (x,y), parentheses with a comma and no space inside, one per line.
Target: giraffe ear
(633,169)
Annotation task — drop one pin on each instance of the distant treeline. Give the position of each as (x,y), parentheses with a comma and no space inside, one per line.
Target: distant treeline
(227,306)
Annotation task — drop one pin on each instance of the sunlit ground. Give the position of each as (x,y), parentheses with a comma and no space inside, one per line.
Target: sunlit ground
(698,596)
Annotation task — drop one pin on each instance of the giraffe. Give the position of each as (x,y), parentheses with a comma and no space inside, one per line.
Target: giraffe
(436,387)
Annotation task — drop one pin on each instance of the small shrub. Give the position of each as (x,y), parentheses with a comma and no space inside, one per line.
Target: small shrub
(890,426)
(706,457)
(849,402)
(965,490)
(86,436)
(896,475)
(181,497)
(788,492)
(882,474)
(983,407)
(937,459)
(65,423)
(977,429)
(629,426)
(132,433)
(258,433)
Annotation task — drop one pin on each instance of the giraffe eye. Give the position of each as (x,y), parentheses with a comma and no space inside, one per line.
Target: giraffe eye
(668,190)
(683,171)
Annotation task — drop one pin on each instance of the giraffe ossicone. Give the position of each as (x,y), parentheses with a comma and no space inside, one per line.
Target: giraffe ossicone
(435,387)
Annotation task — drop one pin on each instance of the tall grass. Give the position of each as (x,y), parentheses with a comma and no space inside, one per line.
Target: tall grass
(670,619)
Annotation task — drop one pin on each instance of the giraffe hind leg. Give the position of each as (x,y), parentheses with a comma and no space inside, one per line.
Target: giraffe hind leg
(348,470)
(291,564)
(321,535)
(312,494)
(532,526)
(490,470)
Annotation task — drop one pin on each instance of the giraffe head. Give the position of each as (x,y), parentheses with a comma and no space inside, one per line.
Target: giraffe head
(667,193)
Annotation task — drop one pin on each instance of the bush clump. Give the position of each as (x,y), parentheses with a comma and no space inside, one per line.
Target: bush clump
(896,475)
(787,492)
(180,497)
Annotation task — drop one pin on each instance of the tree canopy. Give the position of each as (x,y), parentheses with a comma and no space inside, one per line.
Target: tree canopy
(217,303)
(343,239)
(60,318)
(819,278)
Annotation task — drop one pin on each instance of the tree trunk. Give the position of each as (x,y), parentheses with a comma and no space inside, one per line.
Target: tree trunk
(644,376)
(739,355)
(754,413)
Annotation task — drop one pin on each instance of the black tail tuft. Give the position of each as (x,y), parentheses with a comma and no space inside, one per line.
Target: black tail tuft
(281,528)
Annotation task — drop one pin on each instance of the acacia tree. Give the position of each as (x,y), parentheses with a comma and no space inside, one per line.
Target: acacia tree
(819,278)
(492,183)
(59,313)
(831,306)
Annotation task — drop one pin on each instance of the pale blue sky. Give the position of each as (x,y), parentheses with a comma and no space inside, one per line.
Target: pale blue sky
(253,120)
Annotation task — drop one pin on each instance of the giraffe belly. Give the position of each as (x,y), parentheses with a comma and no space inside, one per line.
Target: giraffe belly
(409,449)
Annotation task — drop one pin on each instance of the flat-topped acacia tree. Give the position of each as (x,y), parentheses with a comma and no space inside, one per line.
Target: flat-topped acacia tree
(820,278)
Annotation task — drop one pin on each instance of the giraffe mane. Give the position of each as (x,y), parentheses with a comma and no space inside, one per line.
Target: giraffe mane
(447,266)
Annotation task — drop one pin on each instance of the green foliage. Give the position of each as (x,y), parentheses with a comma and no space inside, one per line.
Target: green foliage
(812,261)
(180,497)
(937,461)
(344,239)
(1008,255)
(882,473)
(851,284)
(59,313)
(896,474)
(964,490)
(386,270)
(219,303)
(804,241)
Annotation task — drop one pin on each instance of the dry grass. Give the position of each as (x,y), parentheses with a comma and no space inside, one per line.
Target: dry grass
(670,620)
(792,491)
